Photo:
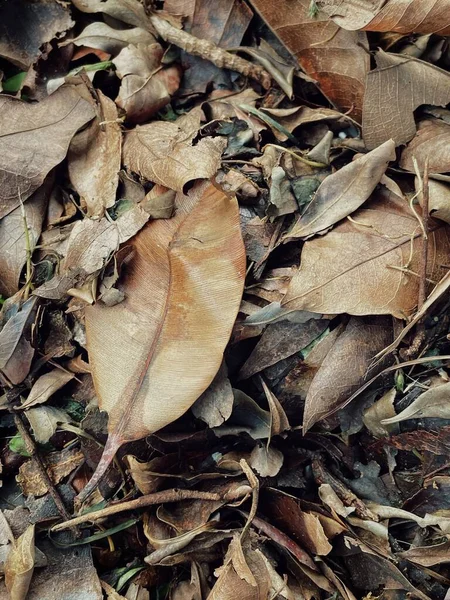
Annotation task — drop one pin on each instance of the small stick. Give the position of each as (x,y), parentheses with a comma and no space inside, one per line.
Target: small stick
(35,457)
(424,259)
(174,495)
(209,51)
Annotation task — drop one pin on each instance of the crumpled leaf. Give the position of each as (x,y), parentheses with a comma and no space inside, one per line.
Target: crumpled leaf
(430,142)
(162,152)
(432,403)
(22,39)
(182,326)
(216,403)
(343,192)
(345,367)
(381,409)
(159,203)
(146,85)
(12,335)
(335,58)
(94,159)
(19,565)
(35,138)
(248,417)
(401,16)
(46,386)
(103,37)
(128,11)
(408,82)
(362,261)
(44,421)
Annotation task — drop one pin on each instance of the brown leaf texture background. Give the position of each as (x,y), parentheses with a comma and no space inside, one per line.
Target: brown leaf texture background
(170,336)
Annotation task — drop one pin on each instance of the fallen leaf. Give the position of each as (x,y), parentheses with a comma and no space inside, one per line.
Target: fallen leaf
(40,23)
(103,37)
(19,565)
(35,139)
(428,556)
(159,203)
(131,12)
(146,85)
(184,328)
(401,16)
(381,409)
(46,386)
(346,367)
(438,199)
(278,419)
(215,405)
(432,403)
(335,58)
(94,159)
(430,142)
(362,263)
(12,341)
(408,82)
(267,461)
(162,152)
(343,192)
(248,417)
(44,421)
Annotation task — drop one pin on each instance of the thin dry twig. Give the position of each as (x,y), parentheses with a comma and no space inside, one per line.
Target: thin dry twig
(424,258)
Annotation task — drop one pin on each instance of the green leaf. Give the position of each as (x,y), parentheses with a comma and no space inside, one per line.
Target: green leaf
(14,83)
(98,536)
(17,445)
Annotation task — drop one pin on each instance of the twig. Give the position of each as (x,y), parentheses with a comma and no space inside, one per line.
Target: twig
(35,457)
(209,51)
(29,272)
(424,259)
(151,499)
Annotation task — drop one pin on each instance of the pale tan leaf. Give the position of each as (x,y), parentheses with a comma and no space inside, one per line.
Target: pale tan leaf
(438,199)
(155,353)
(19,565)
(128,11)
(44,421)
(432,403)
(381,409)
(35,138)
(335,58)
(394,90)
(401,16)
(343,192)
(428,556)
(431,142)
(94,159)
(45,386)
(163,152)
(362,263)
(103,37)
(267,461)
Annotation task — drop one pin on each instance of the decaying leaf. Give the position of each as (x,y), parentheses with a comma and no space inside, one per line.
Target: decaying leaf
(35,138)
(406,83)
(198,260)
(365,263)
(103,37)
(343,192)
(19,565)
(44,421)
(432,403)
(216,403)
(128,11)
(267,461)
(248,417)
(162,152)
(45,386)
(431,143)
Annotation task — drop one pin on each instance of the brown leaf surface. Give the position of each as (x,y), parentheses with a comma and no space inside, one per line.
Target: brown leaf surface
(59,465)
(128,11)
(35,138)
(401,16)
(94,159)
(432,403)
(335,58)
(345,367)
(19,565)
(343,192)
(216,403)
(46,386)
(394,90)
(141,350)
(362,261)
(162,152)
(103,37)
(432,142)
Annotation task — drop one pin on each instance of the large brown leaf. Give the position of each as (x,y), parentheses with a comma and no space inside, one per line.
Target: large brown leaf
(34,139)
(156,352)
(344,191)
(401,16)
(394,90)
(430,142)
(362,263)
(335,58)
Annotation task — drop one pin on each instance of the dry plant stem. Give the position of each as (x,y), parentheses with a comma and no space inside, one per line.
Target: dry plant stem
(32,450)
(209,51)
(424,258)
(151,499)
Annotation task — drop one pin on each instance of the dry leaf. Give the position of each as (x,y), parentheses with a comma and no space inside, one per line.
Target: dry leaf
(430,142)
(428,556)
(345,367)
(343,192)
(401,16)
(157,351)
(35,138)
(438,199)
(267,461)
(394,90)
(248,417)
(12,333)
(19,565)
(103,37)
(44,421)
(381,409)
(94,159)
(162,152)
(363,261)
(335,58)
(216,403)
(159,203)
(146,86)
(45,386)
(432,403)
(131,12)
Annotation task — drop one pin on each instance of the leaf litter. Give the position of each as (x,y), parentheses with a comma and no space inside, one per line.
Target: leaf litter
(224,333)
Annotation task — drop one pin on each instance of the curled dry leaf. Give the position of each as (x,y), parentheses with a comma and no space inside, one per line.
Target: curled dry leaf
(368,264)
(401,16)
(381,409)
(267,461)
(346,367)
(216,403)
(131,12)
(428,556)
(35,138)
(19,565)
(45,386)
(438,199)
(430,142)
(156,352)
(162,152)
(103,37)
(44,421)
(406,83)
(335,58)
(94,159)
(432,403)
(14,343)
(343,192)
